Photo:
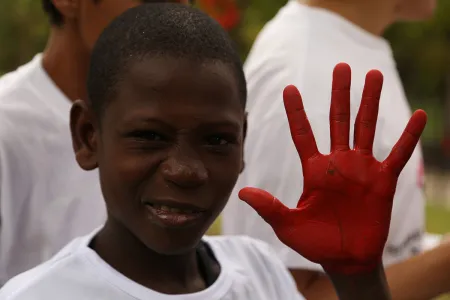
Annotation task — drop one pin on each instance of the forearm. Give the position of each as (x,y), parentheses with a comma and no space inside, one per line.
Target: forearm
(422,277)
(368,286)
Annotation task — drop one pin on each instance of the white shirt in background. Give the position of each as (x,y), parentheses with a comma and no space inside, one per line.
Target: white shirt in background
(46,199)
(249,271)
(301,46)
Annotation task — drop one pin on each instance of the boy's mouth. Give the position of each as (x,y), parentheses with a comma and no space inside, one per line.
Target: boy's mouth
(173,214)
(167,209)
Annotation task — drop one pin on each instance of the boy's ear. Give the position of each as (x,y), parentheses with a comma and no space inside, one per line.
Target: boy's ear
(84,135)
(244,135)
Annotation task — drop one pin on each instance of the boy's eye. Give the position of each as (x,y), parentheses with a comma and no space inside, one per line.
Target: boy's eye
(217,141)
(153,136)
(147,136)
(221,140)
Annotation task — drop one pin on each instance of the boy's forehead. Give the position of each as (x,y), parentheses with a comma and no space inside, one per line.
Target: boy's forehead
(178,90)
(172,76)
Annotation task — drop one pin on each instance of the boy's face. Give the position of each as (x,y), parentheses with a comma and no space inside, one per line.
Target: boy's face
(91,17)
(168,147)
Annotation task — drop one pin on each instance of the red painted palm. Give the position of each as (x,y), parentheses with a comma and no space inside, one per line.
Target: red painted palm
(342,218)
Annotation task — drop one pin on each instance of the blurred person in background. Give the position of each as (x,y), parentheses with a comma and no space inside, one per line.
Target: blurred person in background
(299,46)
(46,200)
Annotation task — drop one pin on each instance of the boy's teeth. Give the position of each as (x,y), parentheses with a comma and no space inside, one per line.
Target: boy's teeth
(172,209)
(165,208)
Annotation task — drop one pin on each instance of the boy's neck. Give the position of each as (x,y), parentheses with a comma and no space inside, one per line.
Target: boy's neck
(372,16)
(174,274)
(67,63)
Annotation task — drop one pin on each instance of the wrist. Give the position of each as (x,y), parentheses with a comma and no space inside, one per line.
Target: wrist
(366,283)
(352,269)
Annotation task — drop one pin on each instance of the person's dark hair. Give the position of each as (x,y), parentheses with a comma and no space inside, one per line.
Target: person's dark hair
(55,17)
(164,29)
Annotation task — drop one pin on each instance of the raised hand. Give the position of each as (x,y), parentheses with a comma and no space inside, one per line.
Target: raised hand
(342,218)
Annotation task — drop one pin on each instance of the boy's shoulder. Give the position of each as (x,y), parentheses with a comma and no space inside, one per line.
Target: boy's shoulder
(40,282)
(33,283)
(71,275)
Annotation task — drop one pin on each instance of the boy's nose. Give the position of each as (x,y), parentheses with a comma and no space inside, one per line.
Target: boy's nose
(186,171)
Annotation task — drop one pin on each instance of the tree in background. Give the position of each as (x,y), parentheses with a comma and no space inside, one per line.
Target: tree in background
(422,51)
(23,32)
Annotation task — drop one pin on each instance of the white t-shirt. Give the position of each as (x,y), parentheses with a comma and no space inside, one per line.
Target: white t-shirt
(46,199)
(301,46)
(249,271)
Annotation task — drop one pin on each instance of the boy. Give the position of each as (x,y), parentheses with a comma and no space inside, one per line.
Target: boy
(165,126)
(299,46)
(45,199)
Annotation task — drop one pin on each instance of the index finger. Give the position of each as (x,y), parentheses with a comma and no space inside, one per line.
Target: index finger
(301,132)
(405,146)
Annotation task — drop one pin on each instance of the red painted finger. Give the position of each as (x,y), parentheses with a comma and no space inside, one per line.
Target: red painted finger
(366,120)
(340,108)
(266,205)
(301,132)
(405,146)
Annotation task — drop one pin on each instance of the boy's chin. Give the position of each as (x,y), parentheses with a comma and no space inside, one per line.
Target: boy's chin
(174,249)
(175,244)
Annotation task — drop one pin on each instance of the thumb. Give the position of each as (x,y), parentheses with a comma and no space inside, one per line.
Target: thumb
(267,206)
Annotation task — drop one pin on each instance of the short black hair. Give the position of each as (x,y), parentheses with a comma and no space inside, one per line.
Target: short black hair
(55,17)
(164,29)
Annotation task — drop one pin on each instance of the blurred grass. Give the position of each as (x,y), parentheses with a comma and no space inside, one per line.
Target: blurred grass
(438,221)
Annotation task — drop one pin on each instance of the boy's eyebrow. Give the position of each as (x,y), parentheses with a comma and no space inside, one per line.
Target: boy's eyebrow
(233,124)
(229,123)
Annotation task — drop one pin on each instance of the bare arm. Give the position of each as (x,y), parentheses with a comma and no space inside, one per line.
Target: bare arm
(422,277)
